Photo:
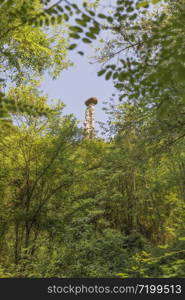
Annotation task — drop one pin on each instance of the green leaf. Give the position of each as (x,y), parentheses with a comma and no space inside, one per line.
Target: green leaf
(60,8)
(94,29)
(122,76)
(41,22)
(81,22)
(102,16)
(115,75)
(108,75)
(66,17)
(81,53)
(46,20)
(76,29)
(119,85)
(101,72)
(90,35)
(110,19)
(75,6)
(155,1)
(59,19)
(142,4)
(130,9)
(73,46)
(53,19)
(86,18)
(74,35)
(182,238)
(68,7)
(91,13)
(86,40)
(133,17)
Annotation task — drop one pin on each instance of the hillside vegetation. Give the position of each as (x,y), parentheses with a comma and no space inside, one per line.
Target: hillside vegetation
(73,207)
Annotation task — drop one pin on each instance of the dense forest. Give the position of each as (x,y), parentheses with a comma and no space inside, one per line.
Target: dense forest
(103,207)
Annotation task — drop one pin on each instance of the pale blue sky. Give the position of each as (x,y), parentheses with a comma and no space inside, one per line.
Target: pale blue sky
(79,83)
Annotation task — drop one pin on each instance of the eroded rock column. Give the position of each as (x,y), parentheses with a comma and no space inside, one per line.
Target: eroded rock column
(90,117)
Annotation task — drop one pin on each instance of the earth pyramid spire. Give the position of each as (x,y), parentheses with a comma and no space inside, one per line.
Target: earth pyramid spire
(90,117)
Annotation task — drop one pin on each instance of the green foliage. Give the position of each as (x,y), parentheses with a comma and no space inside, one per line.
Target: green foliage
(150,65)
(161,262)
(26,52)
(72,207)
(22,100)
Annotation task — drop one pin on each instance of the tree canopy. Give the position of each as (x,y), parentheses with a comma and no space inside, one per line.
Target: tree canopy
(106,207)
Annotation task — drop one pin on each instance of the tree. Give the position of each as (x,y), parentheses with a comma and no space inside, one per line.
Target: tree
(27,51)
(151,64)
(72,207)
(35,175)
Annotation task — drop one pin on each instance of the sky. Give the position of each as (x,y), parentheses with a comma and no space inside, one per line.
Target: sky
(79,83)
